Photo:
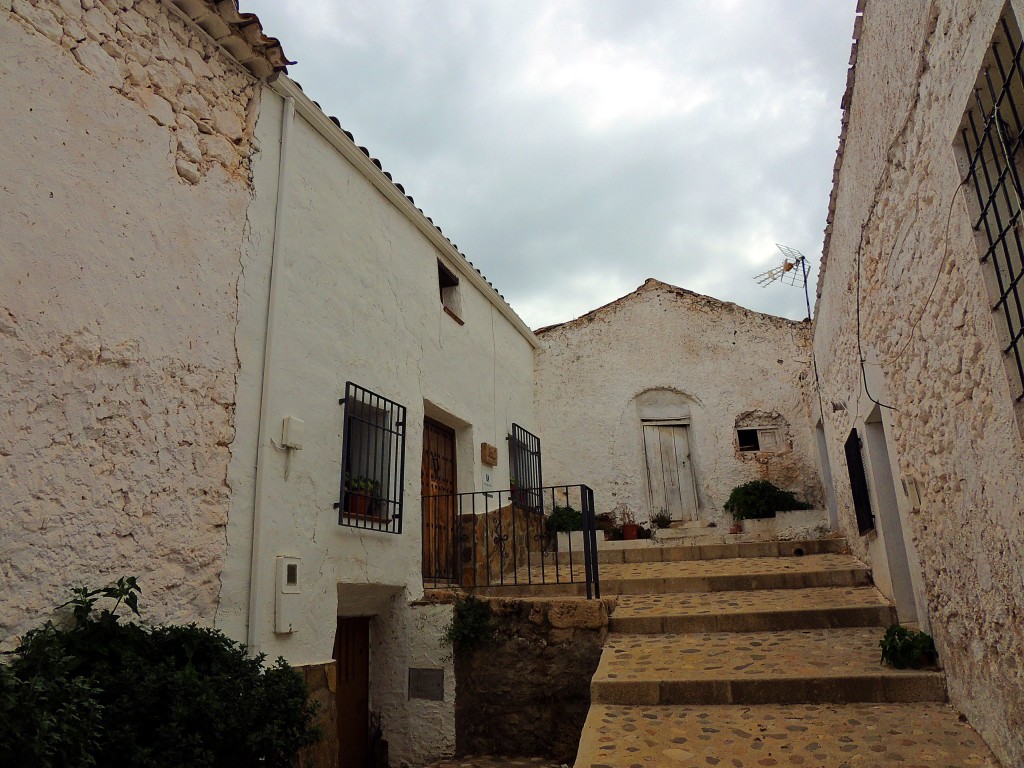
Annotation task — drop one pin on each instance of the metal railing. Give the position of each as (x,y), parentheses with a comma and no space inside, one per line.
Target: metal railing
(494,539)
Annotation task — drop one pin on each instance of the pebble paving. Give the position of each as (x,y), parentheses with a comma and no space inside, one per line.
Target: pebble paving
(489,761)
(702,655)
(614,573)
(808,736)
(741,601)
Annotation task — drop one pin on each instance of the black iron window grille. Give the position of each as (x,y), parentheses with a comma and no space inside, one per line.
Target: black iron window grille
(524,469)
(859,484)
(992,136)
(372,461)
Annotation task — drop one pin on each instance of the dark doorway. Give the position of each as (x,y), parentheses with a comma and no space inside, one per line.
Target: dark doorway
(352,654)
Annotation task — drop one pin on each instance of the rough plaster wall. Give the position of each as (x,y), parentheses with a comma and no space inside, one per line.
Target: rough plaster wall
(727,360)
(953,423)
(116,317)
(358,301)
(408,636)
(146,53)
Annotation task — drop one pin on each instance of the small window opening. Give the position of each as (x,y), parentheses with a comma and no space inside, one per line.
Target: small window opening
(448,286)
(748,439)
(292,576)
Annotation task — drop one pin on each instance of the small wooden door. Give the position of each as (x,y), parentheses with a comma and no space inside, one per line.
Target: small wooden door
(352,658)
(669,473)
(437,478)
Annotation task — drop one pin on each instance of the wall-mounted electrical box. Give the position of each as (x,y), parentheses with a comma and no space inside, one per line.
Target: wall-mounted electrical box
(289,587)
(291,433)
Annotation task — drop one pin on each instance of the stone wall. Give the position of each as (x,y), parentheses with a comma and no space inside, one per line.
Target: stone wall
(321,682)
(663,352)
(528,691)
(128,134)
(483,562)
(932,350)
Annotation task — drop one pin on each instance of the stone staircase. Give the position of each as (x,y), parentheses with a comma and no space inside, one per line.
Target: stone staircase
(759,654)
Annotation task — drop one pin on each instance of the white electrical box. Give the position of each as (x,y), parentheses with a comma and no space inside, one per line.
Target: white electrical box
(291,433)
(289,587)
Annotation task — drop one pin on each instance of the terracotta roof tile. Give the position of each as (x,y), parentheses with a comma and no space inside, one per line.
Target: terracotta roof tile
(240,34)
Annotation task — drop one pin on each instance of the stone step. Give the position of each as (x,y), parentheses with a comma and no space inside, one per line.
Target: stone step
(754,611)
(802,666)
(827,570)
(813,736)
(659,551)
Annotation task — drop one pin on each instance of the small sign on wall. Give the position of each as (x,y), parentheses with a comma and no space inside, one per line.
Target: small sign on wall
(488,455)
(426,684)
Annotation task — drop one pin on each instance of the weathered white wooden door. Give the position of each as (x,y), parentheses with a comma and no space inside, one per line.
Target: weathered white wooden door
(669,473)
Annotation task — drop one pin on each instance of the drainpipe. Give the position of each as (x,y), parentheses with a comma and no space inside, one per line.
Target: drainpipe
(263,434)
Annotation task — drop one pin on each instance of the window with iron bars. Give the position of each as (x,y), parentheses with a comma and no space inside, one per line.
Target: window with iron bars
(372,461)
(991,152)
(524,469)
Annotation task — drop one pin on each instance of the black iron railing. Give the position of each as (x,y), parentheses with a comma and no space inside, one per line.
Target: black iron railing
(504,539)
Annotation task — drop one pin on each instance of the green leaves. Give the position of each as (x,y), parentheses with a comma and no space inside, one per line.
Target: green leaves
(759,499)
(565,519)
(122,695)
(904,648)
(472,624)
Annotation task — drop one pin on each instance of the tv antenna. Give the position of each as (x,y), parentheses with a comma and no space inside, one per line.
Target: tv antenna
(792,271)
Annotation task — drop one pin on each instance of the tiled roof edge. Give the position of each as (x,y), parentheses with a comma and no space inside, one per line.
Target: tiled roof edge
(240,34)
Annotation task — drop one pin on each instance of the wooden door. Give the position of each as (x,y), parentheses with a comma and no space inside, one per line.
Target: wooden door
(437,479)
(669,473)
(352,658)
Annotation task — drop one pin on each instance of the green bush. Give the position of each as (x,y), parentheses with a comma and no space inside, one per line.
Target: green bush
(662,519)
(471,626)
(565,519)
(111,694)
(903,648)
(759,499)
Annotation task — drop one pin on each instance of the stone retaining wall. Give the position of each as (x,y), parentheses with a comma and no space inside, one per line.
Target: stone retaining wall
(528,691)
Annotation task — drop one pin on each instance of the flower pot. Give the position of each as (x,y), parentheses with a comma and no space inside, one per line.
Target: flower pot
(630,531)
(359,504)
(736,528)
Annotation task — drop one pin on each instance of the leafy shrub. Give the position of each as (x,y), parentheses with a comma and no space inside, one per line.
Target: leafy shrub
(565,519)
(903,648)
(662,519)
(471,626)
(759,499)
(111,694)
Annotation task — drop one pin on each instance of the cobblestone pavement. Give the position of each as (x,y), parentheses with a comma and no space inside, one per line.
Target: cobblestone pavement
(774,600)
(487,761)
(809,736)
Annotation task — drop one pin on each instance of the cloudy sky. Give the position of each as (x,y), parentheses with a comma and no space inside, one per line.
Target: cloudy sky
(574,148)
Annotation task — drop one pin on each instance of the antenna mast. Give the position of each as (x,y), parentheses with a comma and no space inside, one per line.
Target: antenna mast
(792,271)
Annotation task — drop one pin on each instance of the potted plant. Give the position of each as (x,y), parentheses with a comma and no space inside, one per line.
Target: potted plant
(627,520)
(567,524)
(360,494)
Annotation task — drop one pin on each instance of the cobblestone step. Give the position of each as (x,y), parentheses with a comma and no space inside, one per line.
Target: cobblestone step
(656,551)
(827,570)
(753,611)
(812,736)
(804,666)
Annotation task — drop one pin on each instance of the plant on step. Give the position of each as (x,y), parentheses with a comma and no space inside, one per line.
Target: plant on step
(904,648)
(760,499)
(472,625)
(662,519)
(111,693)
(565,519)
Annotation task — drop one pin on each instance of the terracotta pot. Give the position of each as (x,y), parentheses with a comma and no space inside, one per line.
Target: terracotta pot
(736,528)
(630,531)
(358,503)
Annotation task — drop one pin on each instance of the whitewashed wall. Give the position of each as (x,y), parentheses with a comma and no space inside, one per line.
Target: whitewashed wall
(358,301)
(951,428)
(726,360)
(124,159)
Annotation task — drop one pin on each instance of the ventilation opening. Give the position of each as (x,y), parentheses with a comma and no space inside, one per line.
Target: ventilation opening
(798,552)
(747,439)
